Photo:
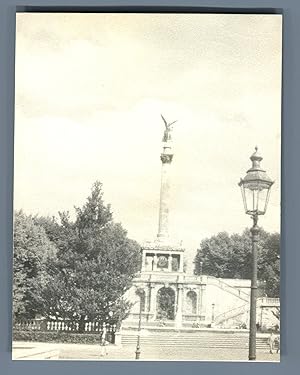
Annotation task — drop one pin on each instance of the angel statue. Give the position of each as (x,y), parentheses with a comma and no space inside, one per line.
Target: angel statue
(167,131)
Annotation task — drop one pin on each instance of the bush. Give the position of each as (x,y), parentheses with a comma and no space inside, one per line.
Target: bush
(57,336)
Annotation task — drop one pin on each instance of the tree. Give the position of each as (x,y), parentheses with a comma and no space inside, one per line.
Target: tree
(33,252)
(269,269)
(96,263)
(229,256)
(52,228)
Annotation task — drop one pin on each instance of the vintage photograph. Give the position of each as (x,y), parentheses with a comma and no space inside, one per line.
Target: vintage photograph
(147,161)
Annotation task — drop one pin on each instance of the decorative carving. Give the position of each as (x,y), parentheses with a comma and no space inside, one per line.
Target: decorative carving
(162,261)
(139,289)
(166,158)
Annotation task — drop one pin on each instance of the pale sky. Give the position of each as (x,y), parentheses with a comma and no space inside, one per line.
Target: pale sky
(90,89)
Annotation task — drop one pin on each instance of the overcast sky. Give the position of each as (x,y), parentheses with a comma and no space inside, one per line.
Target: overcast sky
(90,89)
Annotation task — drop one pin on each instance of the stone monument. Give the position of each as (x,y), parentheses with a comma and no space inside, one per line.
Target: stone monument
(163,293)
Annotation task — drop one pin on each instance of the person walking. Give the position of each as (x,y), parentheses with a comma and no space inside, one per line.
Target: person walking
(277,343)
(271,342)
(103,344)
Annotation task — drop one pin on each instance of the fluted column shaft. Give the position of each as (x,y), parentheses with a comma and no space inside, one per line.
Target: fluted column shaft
(163,223)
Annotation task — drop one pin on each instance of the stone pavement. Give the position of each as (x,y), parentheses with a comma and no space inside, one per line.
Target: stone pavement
(92,352)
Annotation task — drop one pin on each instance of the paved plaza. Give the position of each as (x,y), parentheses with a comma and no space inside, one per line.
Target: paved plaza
(92,352)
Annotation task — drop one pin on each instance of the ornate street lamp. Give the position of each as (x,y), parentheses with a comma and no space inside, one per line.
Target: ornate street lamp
(201,289)
(255,188)
(138,344)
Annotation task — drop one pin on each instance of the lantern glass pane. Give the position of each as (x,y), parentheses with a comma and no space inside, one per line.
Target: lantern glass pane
(244,197)
(251,200)
(261,202)
(256,198)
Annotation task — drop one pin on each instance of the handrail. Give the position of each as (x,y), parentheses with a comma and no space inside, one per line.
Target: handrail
(223,285)
(242,309)
(62,325)
(226,315)
(269,301)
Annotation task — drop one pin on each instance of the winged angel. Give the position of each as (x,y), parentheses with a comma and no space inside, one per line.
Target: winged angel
(167,131)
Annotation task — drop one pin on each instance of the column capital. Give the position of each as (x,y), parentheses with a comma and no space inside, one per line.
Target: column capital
(166,158)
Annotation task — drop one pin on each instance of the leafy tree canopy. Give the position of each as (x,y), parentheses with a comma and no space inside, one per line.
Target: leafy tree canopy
(95,264)
(33,251)
(229,256)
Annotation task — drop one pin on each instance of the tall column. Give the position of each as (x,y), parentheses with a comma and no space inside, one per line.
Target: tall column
(166,159)
(169,262)
(147,301)
(152,306)
(155,262)
(203,302)
(178,319)
(143,260)
(180,263)
(199,301)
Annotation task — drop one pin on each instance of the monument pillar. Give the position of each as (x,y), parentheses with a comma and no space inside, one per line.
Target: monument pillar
(143,261)
(155,262)
(178,318)
(152,299)
(170,263)
(166,159)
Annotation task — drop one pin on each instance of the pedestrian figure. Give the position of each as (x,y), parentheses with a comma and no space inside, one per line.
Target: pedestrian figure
(277,343)
(103,344)
(271,342)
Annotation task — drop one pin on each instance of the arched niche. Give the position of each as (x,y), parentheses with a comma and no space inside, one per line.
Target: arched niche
(191,302)
(166,303)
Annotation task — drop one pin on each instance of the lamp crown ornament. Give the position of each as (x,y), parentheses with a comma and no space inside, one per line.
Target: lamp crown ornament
(256,158)
(255,187)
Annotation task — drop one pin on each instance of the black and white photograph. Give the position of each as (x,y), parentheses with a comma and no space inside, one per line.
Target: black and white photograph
(147,187)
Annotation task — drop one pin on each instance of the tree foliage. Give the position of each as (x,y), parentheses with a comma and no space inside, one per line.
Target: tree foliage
(229,256)
(33,251)
(95,264)
(73,269)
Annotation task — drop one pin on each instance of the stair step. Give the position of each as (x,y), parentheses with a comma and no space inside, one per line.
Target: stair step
(193,340)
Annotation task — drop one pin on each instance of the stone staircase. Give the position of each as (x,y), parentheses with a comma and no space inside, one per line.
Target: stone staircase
(232,314)
(244,309)
(228,288)
(192,339)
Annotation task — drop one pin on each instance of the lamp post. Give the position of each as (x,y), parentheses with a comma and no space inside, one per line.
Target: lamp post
(255,188)
(138,344)
(201,289)
(212,313)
